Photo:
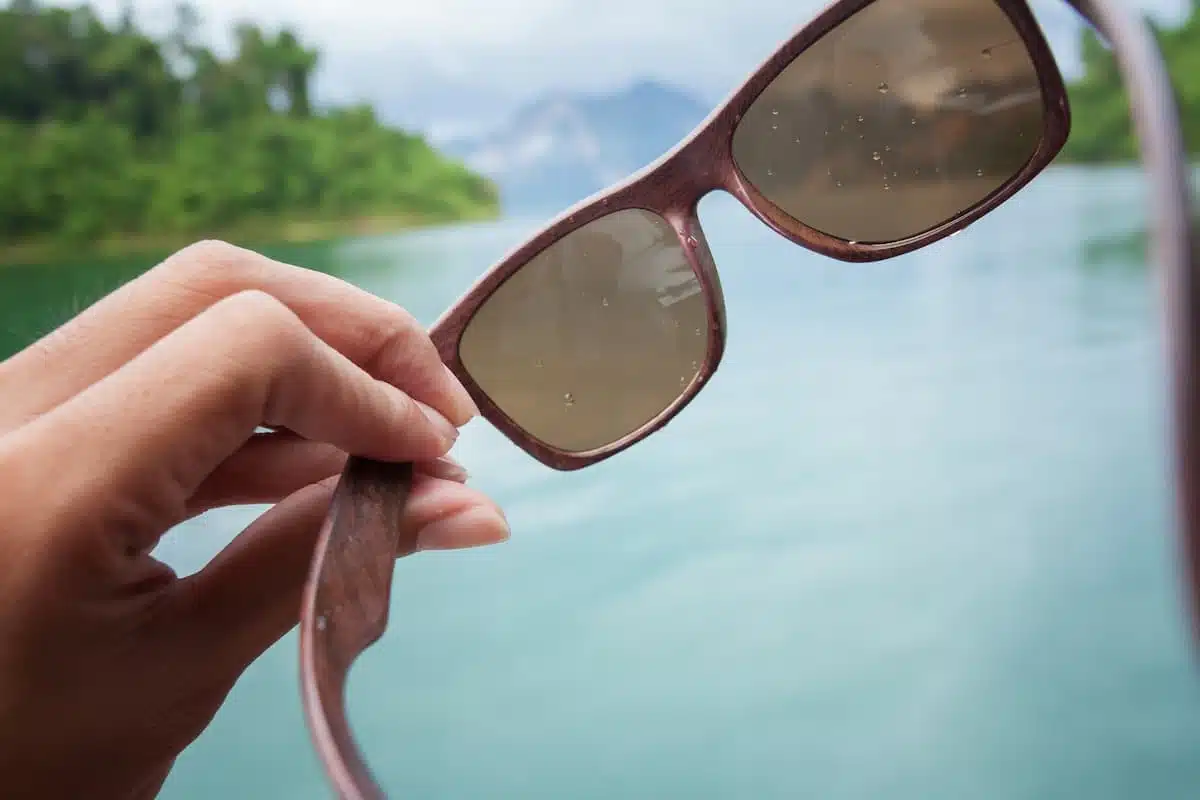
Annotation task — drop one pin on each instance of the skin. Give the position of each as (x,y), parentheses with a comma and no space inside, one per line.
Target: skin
(142,412)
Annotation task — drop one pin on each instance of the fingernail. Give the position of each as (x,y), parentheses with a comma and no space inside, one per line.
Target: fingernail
(445,468)
(444,426)
(475,527)
(464,407)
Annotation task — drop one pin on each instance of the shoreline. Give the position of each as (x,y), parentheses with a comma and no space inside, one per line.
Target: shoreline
(266,232)
(256,234)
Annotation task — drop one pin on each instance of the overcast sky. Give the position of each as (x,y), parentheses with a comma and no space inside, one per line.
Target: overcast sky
(439,64)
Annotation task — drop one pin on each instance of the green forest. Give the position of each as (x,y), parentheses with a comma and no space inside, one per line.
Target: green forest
(109,135)
(1101,130)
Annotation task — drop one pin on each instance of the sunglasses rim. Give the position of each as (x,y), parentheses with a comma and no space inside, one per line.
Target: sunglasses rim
(701,162)
(447,336)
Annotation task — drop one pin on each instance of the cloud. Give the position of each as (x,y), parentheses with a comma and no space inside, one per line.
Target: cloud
(443,63)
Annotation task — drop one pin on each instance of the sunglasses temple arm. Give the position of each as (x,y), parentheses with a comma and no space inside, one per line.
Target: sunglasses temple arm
(345,608)
(1175,244)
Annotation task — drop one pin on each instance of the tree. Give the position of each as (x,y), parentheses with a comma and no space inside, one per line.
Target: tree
(106,131)
(1101,130)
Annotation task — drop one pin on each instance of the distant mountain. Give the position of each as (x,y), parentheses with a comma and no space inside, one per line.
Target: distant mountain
(565,146)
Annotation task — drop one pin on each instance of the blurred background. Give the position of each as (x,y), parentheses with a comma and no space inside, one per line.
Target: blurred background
(915,538)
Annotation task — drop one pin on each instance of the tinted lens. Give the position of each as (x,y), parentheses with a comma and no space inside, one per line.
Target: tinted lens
(595,336)
(898,120)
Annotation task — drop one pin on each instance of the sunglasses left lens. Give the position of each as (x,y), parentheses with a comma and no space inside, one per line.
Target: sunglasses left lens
(595,336)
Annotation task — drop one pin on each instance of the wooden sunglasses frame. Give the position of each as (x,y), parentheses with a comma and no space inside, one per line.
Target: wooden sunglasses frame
(673,186)
(346,600)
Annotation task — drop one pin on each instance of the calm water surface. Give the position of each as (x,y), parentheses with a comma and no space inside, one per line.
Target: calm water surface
(913,542)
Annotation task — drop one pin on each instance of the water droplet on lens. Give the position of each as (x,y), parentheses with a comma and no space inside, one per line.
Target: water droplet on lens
(775,112)
(699,331)
(979,173)
(987,52)
(914,122)
(860,117)
(839,183)
(887,148)
(604,302)
(875,156)
(962,92)
(539,364)
(883,88)
(770,172)
(322,623)
(691,241)
(569,399)
(696,365)
(774,127)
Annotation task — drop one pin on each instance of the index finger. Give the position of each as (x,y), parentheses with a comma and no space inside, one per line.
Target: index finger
(379,336)
(130,450)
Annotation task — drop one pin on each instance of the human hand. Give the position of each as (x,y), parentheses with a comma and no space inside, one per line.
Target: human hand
(140,413)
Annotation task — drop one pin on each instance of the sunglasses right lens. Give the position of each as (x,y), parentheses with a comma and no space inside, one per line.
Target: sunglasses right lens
(593,338)
(898,120)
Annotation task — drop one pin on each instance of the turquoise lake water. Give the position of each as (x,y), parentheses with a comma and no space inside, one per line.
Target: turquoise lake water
(913,541)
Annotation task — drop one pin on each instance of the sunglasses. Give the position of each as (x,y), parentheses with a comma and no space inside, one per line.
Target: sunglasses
(880,128)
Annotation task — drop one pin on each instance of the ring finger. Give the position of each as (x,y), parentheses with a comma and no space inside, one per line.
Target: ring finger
(272,466)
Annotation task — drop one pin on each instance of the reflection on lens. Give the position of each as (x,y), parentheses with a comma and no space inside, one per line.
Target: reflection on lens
(898,120)
(595,336)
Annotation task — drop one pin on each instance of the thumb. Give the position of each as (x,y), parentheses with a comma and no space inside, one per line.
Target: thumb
(249,596)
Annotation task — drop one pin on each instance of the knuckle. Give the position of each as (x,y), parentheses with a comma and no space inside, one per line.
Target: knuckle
(401,350)
(253,304)
(397,348)
(210,249)
(409,415)
(254,318)
(210,262)
(208,254)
